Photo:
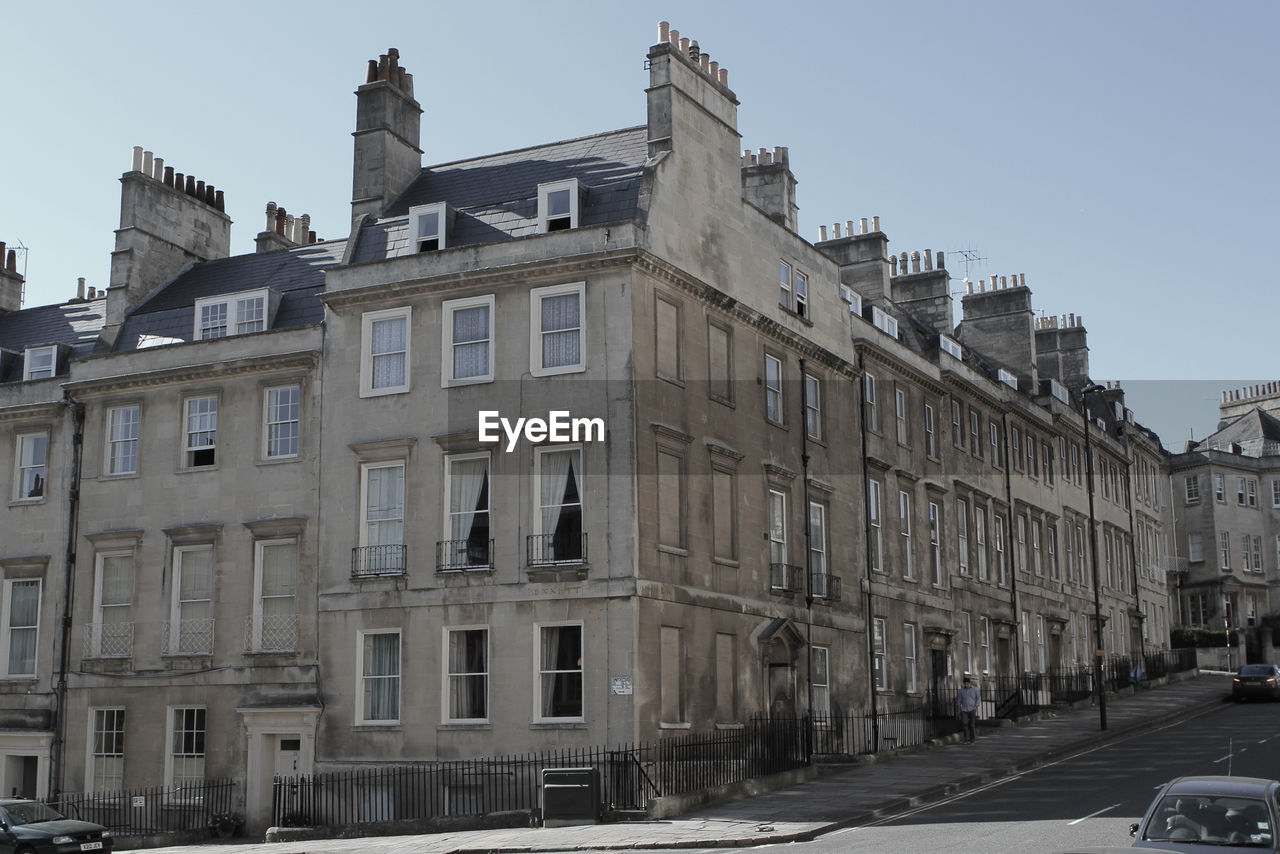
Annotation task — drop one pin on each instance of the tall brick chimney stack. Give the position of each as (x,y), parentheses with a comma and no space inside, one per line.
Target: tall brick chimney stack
(769,184)
(167,221)
(10,281)
(998,323)
(388,126)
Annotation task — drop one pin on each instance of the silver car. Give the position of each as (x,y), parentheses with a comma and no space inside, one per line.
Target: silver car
(1221,814)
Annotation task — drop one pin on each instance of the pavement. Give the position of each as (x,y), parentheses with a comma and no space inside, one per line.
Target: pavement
(848,795)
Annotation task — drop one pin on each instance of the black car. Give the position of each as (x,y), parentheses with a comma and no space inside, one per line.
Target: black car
(1212,815)
(30,827)
(1257,680)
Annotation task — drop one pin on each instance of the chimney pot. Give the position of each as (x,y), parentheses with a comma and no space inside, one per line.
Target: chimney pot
(148,163)
(836,230)
(724,77)
(822,233)
(695,53)
(715,70)
(928,260)
(675,37)
(218,201)
(875,223)
(93,293)
(169,176)
(863,223)
(80,288)
(684,46)
(11,260)
(311,237)
(664,31)
(158,171)
(915,262)
(137,158)
(942,265)
(893,266)
(190,188)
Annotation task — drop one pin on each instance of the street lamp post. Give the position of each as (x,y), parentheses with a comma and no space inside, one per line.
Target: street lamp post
(1093,555)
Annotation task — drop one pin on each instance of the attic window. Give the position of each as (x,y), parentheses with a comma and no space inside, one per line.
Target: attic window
(39,362)
(236,314)
(951,347)
(884,322)
(558,205)
(1007,378)
(429,227)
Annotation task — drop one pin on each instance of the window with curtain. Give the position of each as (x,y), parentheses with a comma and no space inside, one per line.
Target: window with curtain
(468,340)
(468,661)
(777,527)
(384,504)
(108,750)
(277,607)
(556,330)
(23,625)
(122,440)
(114,626)
(818,578)
(187,747)
(193,601)
(380,661)
(560,504)
(560,672)
(821,681)
(384,351)
(468,511)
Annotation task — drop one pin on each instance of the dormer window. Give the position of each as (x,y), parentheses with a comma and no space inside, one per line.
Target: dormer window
(235,314)
(39,362)
(558,205)
(429,227)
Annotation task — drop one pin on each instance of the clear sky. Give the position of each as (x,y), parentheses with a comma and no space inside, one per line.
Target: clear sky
(1122,155)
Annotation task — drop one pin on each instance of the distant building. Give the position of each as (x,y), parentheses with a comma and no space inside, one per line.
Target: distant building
(265,518)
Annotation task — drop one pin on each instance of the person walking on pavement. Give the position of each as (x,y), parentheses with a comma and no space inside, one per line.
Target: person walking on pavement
(968,699)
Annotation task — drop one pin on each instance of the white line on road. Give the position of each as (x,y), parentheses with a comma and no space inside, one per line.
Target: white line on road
(1093,815)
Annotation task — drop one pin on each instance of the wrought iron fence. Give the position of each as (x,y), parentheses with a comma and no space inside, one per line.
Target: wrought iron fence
(895,726)
(150,811)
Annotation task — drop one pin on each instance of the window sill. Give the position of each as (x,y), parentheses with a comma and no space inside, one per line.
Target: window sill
(726,561)
(195,469)
(722,400)
(673,380)
(381,392)
(463,726)
(127,475)
(555,372)
(664,725)
(465,381)
(26,502)
(567,723)
(275,461)
(673,550)
(376,726)
(730,726)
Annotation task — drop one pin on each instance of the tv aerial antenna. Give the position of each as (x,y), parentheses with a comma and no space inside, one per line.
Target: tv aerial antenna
(971,257)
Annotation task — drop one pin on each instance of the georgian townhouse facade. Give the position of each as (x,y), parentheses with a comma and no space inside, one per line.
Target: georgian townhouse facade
(577,444)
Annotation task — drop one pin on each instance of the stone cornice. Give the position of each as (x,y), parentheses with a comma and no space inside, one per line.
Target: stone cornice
(871,350)
(31,411)
(205,372)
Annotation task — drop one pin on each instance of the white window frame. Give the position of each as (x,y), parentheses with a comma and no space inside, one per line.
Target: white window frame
(813,407)
(821,684)
(449,513)
(538,506)
(1192,486)
(935,544)
(984,639)
(39,363)
(126,441)
(1002,557)
(274,410)
(536,333)
(548,223)
(8,628)
(774,403)
(96,628)
(365,468)
(909,657)
(1275,493)
(171,734)
(980,539)
(930,432)
(36,469)
(417,213)
(802,294)
(819,572)
(1224,550)
(966,640)
(778,527)
(177,603)
(361,712)
(97,777)
(874,508)
(448,674)
(900,416)
(904,529)
(237,308)
(879,653)
(962,535)
(539,673)
(209,419)
(368,357)
(869,395)
(785,273)
(1220,488)
(447,309)
(260,633)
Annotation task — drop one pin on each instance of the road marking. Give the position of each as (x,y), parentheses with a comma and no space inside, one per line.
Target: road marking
(1093,815)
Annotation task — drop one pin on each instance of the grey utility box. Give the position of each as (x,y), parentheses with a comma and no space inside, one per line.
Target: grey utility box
(570,796)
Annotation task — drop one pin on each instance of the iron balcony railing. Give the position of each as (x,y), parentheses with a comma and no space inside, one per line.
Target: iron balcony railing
(187,637)
(271,633)
(784,578)
(464,555)
(553,550)
(108,640)
(825,586)
(369,561)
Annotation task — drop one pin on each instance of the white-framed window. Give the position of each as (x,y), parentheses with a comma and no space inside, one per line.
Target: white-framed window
(282,417)
(467,513)
(802,294)
(784,285)
(21,621)
(39,363)
(935,544)
(1192,483)
(382,517)
(1224,550)
(429,227)
(106,751)
(1051,544)
(819,581)
(957,431)
(274,626)
(1075,463)
(904,528)
(873,511)
(1275,493)
(1033,467)
(1251,493)
(820,681)
(1046,459)
(559,203)
(1080,554)
(962,534)
(980,538)
(930,432)
(975,432)
(1015,447)
(1024,561)
(121,454)
(1037,554)
(1002,561)
(984,639)
(773,408)
(900,415)
(467,341)
(200,442)
(185,759)
(870,396)
(966,640)
(993,433)
(31,461)
(378,651)
(1041,661)
(909,657)
(112,628)
(559,652)
(558,526)
(384,351)
(879,654)
(1220,488)
(777,528)
(812,407)
(557,336)
(884,321)
(237,314)
(1026,640)
(191,610)
(1257,554)
(466,674)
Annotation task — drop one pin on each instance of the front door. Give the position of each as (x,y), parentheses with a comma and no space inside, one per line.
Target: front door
(782,690)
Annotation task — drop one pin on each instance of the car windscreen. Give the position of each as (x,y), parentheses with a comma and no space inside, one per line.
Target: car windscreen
(1212,820)
(30,813)
(1257,670)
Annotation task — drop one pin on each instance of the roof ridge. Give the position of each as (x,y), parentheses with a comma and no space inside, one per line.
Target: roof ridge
(600,135)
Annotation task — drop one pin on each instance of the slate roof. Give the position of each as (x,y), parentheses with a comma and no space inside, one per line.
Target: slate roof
(75,324)
(298,274)
(1257,433)
(496,197)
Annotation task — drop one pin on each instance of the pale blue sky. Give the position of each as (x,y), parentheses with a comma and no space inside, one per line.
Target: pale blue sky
(1120,154)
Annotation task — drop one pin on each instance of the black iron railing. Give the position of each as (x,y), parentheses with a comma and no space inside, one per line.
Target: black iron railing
(555,550)
(464,555)
(151,811)
(378,560)
(825,586)
(785,578)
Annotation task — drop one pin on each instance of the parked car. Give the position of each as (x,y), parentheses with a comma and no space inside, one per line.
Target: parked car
(1219,814)
(1257,680)
(30,827)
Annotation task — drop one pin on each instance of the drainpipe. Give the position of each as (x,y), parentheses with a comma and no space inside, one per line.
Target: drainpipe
(1012,562)
(860,384)
(76,409)
(1133,550)
(1093,559)
(808,543)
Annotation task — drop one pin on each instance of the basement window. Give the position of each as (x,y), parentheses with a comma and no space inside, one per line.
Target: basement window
(429,227)
(559,203)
